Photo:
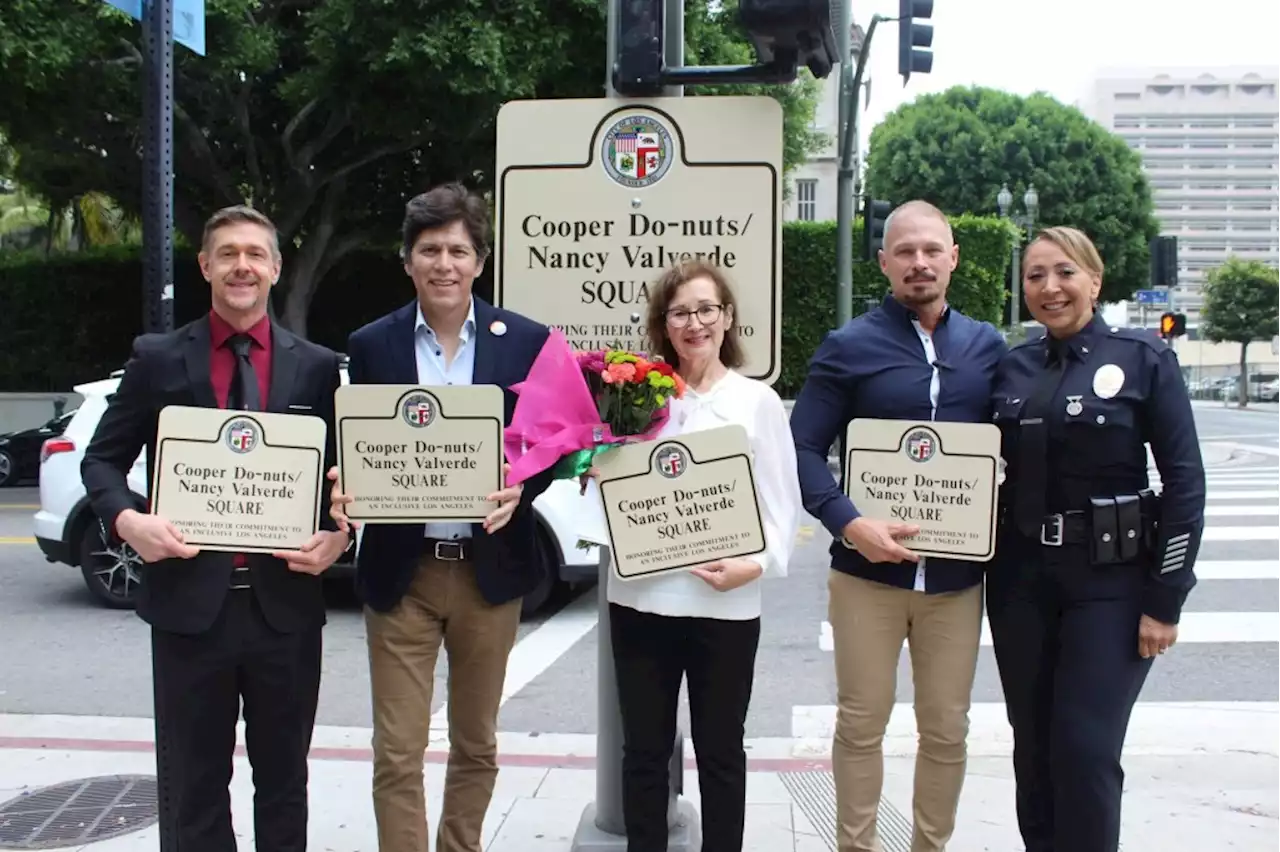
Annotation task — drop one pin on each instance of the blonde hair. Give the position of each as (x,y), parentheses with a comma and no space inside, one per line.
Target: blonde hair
(1075,245)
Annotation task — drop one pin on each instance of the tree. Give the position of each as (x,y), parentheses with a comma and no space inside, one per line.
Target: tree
(327,114)
(1240,305)
(955,149)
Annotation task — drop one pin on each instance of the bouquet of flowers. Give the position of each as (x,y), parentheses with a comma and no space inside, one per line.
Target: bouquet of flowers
(575,406)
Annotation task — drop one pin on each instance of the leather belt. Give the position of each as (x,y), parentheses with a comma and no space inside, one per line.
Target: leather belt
(1061,528)
(448,550)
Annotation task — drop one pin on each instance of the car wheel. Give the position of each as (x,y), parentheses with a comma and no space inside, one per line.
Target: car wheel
(548,577)
(110,570)
(8,470)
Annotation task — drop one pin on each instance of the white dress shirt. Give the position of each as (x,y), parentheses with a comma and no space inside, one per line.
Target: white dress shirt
(930,355)
(755,406)
(434,369)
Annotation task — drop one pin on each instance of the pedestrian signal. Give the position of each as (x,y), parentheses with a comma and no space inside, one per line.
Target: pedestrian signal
(875,215)
(1172,325)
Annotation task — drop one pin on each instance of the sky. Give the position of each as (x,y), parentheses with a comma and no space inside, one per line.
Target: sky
(1027,45)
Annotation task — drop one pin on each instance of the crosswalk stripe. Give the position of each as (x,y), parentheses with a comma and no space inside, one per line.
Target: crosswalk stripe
(1226,496)
(1193,628)
(1216,533)
(1238,569)
(1241,511)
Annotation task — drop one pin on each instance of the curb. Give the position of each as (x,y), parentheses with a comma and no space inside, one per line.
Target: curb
(365,755)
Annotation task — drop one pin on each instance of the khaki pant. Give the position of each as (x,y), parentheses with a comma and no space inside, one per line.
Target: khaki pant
(442,604)
(869,622)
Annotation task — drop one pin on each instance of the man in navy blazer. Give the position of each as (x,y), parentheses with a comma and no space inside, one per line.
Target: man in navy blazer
(912,358)
(455,584)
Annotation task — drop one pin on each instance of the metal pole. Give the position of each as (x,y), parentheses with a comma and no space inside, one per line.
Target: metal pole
(673,42)
(851,83)
(608,816)
(157,176)
(1015,324)
(601,827)
(844,173)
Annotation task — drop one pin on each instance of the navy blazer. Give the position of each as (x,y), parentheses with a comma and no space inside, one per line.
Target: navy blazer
(875,367)
(507,563)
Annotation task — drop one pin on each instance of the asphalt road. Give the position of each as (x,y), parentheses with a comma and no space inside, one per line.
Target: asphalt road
(68,655)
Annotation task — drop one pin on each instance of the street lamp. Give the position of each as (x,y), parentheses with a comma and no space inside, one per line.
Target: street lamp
(1025,221)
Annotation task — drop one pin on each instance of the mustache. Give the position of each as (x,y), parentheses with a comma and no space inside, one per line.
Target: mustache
(920,277)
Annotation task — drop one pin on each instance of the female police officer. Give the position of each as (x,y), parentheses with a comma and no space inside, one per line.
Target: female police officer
(1092,568)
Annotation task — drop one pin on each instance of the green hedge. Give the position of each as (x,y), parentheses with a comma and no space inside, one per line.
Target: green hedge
(979,286)
(70,318)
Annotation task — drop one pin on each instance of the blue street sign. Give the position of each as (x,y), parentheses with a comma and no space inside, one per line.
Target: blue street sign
(188,20)
(1153,297)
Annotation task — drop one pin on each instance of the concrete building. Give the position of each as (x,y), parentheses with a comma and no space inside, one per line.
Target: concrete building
(813,183)
(1209,139)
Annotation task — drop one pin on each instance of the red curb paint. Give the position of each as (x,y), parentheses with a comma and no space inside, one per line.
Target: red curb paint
(364,755)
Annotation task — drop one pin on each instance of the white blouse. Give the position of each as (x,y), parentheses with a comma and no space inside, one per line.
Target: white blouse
(734,399)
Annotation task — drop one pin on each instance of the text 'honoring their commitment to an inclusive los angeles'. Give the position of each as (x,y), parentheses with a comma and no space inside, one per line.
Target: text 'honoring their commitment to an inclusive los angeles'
(239,480)
(938,476)
(409,453)
(674,504)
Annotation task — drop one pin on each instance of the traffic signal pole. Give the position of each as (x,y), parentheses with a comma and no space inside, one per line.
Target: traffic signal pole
(157,167)
(601,827)
(851,85)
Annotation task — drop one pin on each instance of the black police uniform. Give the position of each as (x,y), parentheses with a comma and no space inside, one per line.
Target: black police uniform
(1086,548)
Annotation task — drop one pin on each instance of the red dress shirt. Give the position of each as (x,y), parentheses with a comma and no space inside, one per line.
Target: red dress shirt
(222,361)
(222,367)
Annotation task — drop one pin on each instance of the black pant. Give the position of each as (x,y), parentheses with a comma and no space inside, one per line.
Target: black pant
(651,654)
(199,682)
(1066,643)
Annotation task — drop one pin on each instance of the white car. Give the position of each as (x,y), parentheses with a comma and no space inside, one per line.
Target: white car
(68,532)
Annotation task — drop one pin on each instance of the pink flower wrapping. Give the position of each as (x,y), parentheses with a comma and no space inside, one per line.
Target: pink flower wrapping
(557,416)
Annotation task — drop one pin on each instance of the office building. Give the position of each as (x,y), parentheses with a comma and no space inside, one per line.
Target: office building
(1210,144)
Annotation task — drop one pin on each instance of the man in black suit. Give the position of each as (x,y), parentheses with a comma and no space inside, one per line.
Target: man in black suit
(458,584)
(225,627)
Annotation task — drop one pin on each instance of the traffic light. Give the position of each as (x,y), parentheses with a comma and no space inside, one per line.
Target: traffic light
(874,214)
(1164,262)
(638,68)
(790,33)
(1172,325)
(912,37)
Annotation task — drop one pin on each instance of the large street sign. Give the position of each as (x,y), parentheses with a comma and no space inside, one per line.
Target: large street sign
(598,197)
(188,20)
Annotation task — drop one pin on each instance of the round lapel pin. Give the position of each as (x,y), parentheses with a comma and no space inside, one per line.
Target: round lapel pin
(498,328)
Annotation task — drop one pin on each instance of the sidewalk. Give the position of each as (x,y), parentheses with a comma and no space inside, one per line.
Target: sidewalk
(1185,799)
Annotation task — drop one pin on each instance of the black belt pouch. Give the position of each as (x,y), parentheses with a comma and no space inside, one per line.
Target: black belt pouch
(1104,531)
(1129,520)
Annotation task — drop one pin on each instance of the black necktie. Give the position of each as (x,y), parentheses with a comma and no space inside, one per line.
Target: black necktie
(244,384)
(1033,446)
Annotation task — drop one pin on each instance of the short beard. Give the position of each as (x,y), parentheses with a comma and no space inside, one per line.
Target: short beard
(925,299)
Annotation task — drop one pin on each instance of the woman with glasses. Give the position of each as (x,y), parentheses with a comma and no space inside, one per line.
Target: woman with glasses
(703,624)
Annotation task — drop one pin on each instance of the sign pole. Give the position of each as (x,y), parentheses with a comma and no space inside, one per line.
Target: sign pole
(602,827)
(157,167)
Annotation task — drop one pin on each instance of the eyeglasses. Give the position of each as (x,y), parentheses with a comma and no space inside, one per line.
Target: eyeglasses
(707,314)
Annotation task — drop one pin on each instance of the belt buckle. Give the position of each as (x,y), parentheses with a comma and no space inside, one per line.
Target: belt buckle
(242,572)
(1057,531)
(456,549)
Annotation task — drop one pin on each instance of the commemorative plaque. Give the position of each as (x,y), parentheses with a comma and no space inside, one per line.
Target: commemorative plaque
(677,503)
(419,454)
(242,481)
(939,476)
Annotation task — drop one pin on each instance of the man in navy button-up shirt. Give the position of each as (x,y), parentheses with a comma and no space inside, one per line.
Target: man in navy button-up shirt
(912,358)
